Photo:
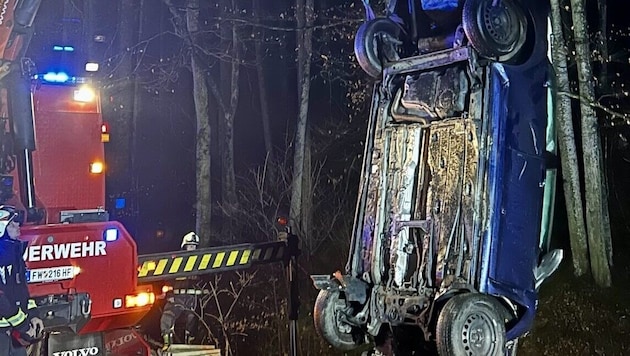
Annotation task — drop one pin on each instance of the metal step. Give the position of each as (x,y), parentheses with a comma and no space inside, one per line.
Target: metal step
(191,350)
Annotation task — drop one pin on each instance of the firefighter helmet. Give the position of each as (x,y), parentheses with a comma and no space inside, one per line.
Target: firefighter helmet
(7,214)
(190,239)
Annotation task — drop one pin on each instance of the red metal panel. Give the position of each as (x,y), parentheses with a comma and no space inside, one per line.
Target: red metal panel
(107,269)
(68,140)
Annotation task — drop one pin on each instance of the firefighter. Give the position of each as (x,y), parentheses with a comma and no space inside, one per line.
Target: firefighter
(181,299)
(19,325)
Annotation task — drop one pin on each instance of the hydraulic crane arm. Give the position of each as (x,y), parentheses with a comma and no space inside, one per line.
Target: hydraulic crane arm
(167,265)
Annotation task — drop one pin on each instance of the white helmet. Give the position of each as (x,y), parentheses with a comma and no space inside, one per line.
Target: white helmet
(190,239)
(7,214)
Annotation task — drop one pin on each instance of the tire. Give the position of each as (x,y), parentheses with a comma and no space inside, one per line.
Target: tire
(371,47)
(497,32)
(327,317)
(471,324)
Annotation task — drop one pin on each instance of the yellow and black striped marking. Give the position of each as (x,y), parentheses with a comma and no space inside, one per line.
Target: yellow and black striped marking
(209,260)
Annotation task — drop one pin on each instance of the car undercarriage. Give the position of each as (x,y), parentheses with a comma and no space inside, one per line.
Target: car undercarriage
(445,252)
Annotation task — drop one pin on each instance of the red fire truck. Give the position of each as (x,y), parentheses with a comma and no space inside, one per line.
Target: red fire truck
(89,283)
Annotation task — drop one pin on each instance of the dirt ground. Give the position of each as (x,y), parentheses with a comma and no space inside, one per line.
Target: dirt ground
(577,318)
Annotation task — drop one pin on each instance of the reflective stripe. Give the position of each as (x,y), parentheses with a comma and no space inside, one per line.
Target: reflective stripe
(232,258)
(4,323)
(31,304)
(18,318)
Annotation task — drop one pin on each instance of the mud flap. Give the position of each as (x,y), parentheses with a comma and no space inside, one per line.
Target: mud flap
(72,344)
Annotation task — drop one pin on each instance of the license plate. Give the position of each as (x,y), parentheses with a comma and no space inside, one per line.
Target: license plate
(50,274)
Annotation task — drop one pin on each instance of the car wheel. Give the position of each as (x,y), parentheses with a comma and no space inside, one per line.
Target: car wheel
(329,324)
(497,31)
(375,44)
(471,324)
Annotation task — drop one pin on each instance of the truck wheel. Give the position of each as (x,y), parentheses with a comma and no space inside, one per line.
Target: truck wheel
(497,32)
(375,45)
(329,324)
(471,324)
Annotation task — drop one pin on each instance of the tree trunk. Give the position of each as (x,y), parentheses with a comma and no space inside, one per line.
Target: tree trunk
(262,88)
(602,42)
(304,15)
(230,90)
(566,142)
(596,217)
(605,88)
(202,151)
(307,192)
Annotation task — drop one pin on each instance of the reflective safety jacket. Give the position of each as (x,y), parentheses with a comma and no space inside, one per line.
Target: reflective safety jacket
(15,304)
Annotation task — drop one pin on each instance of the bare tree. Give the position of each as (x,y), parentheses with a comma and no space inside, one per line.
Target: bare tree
(597,222)
(305,18)
(188,29)
(566,141)
(230,73)
(258,35)
(602,45)
(202,148)
(220,304)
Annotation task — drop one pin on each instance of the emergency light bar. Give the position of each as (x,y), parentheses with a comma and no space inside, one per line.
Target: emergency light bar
(59,78)
(57,48)
(53,77)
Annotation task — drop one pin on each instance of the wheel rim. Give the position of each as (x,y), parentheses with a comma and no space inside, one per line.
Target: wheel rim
(501,25)
(496,31)
(369,50)
(479,334)
(329,322)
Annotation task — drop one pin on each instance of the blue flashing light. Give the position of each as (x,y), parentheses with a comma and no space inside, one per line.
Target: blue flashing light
(120,203)
(111,234)
(58,48)
(53,77)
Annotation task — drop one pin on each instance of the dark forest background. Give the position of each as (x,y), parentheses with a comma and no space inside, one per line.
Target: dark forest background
(151,156)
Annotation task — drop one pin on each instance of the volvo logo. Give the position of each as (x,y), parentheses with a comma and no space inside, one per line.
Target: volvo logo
(114,344)
(86,351)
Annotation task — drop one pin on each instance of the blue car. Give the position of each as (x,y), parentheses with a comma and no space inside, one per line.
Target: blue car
(451,235)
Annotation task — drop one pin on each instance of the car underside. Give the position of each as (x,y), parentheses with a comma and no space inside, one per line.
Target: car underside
(446,250)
